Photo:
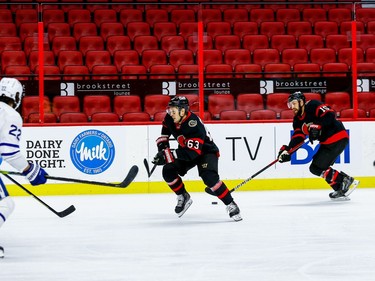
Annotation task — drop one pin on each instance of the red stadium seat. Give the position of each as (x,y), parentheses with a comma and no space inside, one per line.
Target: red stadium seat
(220,102)
(262,114)
(242,28)
(25,15)
(155,15)
(12,43)
(227,42)
(20,72)
(325,28)
(277,70)
(233,115)
(365,15)
(237,56)
(96,103)
(313,15)
(107,117)
(31,104)
(137,28)
(63,43)
(145,42)
(264,56)
(281,42)
(124,104)
(366,101)
(253,42)
(219,71)
(270,28)
(73,117)
(6,16)
(188,29)
(335,69)
(248,71)
(172,42)
(277,102)
(294,55)
(162,29)
(108,29)
(90,43)
(84,29)
(208,15)
(159,116)
(192,43)
(345,56)
(27,29)
(310,41)
(349,113)
(366,41)
(261,15)
(286,114)
(151,57)
(130,15)
(187,71)
(306,70)
(338,100)
(104,72)
(322,55)
(77,16)
(48,58)
(155,103)
(215,28)
(313,96)
(62,104)
(51,72)
(101,16)
(211,57)
(250,102)
(182,15)
(288,14)
(15,58)
(118,43)
(337,41)
(339,15)
(235,15)
(136,117)
(76,72)
(53,16)
(69,58)
(133,72)
(125,57)
(34,117)
(366,69)
(298,28)
(370,55)
(57,29)
(32,44)
(346,27)
(162,71)
(8,29)
(94,58)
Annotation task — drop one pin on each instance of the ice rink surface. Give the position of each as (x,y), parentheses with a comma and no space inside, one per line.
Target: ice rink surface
(285,235)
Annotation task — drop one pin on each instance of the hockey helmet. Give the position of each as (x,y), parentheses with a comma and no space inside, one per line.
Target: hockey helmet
(12,89)
(179,102)
(296,96)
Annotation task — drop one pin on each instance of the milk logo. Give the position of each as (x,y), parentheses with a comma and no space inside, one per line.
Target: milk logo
(92,152)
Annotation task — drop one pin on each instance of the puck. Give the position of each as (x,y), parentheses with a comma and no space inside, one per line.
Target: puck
(214,203)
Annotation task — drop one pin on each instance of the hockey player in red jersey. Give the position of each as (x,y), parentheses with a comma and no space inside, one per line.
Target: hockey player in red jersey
(195,148)
(10,133)
(318,121)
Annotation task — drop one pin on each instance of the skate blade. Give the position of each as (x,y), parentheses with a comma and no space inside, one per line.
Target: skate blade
(342,198)
(188,204)
(236,217)
(353,187)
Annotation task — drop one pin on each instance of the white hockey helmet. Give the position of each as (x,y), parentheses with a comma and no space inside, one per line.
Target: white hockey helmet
(11,88)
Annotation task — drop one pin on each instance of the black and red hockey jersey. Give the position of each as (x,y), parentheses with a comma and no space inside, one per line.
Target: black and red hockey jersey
(321,114)
(192,136)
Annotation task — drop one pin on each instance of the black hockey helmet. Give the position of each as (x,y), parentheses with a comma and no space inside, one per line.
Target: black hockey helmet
(180,102)
(296,96)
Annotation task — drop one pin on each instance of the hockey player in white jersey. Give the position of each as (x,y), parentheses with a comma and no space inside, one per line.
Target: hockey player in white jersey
(10,134)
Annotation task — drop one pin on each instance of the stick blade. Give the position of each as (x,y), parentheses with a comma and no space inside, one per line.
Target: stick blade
(145,162)
(66,212)
(130,176)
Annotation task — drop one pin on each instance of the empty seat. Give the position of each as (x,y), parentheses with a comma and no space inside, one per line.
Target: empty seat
(53,16)
(288,14)
(187,71)
(218,103)
(219,71)
(162,71)
(145,42)
(6,16)
(20,72)
(335,69)
(124,104)
(192,43)
(366,41)
(108,29)
(237,56)
(349,113)
(57,29)
(172,42)
(346,27)
(133,72)
(137,28)
(211,57)
(322,55)
(90,43)
(155,15)
(118,43)
(130,15)
(277,70)
(260,15)
(125,57)
(8,29)
(78,15)
(365,14)
(136,117)
(264,56)
(208,15)
(25,15)
(73,117)
(233,115)
(62,104)
(253,42)
(339,15)
(338,100)
(366,69)
(313,15)
(69,58)
(32,44)
(298,28)
(366,101)
(151,57)
(179,57)
(155,103)
(325,28)
(84,29)
(76,72)
(248,70)
(101,16)
(371,27)
(48,58)
(294,55)
(235,15)
(28,29)
(313,96)
(286,114)
(277,102)
(106,117)
(337,41)
(12,43)
(263,114)
(9,58)
(281,42)
(310,41)
(188,29)
(182,15)
(162,29)
(48,117)
(370,55)
(215,28)
(159,116)
(51,72)
(96,103)
(227,42)
(31,104)
(104,72)
(345,56)
(271,28)
(249,102)
(242,28)
(63,43)
(94,58)
(307,70)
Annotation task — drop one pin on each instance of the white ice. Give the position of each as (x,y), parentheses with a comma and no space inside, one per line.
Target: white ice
(284,235)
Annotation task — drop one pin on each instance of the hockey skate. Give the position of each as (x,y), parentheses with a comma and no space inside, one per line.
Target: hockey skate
(183,203)
(347,187)
(1,252)
(234,211)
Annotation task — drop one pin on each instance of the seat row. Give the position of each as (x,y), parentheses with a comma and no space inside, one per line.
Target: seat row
(219,107)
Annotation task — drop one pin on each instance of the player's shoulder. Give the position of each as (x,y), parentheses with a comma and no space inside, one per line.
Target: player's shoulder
(193,120)
(9,113)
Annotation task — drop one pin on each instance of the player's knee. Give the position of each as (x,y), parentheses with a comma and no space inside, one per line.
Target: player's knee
(316,170)
(6,207)
(210,178)
(169,172)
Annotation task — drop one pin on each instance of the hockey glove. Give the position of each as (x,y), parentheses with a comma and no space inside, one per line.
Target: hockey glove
(283,155)
(35,174)
(163,157)
(314,132)
(162,142)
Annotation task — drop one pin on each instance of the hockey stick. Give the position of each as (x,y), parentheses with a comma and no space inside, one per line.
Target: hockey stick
(291,151)
(61,214)
(149,173)
(128,179)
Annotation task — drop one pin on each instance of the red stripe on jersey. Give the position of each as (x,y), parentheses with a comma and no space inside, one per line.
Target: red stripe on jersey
(195,144)
(336,137)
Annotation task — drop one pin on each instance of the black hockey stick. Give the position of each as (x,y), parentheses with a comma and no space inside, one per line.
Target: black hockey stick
(291,151)
(149,173)
(61,214)
(128,179)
